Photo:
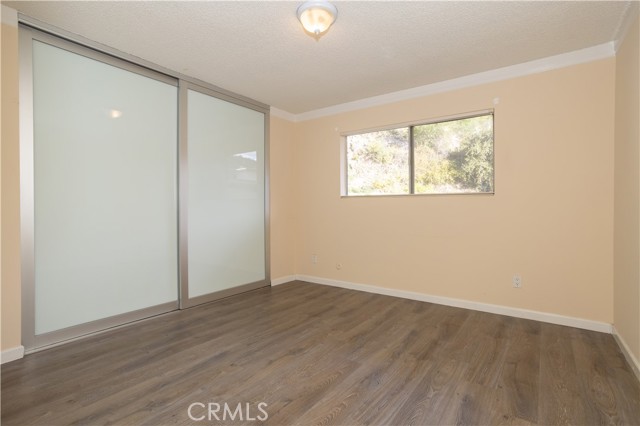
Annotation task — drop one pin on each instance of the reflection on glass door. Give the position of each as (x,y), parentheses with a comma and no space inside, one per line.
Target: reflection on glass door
(225,198)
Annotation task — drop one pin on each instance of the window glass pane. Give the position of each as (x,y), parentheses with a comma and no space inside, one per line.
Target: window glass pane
(454,156)
(378,163)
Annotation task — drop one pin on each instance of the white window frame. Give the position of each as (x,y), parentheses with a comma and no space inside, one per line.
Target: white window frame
(344,166)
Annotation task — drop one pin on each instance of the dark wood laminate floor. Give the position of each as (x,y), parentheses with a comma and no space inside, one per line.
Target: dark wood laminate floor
(323,355)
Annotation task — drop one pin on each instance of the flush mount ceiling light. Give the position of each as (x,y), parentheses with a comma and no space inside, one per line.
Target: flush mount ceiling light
(317,16)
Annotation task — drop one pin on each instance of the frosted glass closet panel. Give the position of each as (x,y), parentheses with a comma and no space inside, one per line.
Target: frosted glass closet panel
(105,190)
(226,235)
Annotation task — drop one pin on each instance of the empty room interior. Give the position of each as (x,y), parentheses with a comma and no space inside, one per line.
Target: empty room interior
(314,212)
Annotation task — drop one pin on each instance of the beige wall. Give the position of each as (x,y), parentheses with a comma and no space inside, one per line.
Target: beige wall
(627,192)
(551,219)
(282,168)
(10,190)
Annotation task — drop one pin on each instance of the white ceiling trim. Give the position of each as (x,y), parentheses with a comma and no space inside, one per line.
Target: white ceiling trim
(277,112)
(601,51)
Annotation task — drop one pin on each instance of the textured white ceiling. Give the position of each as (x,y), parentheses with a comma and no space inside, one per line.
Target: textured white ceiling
(259,50)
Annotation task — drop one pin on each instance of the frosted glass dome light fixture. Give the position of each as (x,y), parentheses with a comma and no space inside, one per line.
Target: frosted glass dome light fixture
(316,16)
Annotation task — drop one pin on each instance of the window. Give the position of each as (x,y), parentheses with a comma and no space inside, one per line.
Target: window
(446,157)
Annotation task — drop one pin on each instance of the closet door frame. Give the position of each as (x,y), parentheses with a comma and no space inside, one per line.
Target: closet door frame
(32,29)
(183,191)
(31,341)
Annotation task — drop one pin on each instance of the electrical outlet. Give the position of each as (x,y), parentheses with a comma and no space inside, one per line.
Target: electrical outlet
(517,281)
(314,258)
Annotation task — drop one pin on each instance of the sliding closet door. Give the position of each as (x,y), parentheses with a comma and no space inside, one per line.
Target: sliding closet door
(104,187)
(224,190)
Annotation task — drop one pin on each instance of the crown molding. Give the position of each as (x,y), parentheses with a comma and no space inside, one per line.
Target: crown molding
(276,112)
(589,54)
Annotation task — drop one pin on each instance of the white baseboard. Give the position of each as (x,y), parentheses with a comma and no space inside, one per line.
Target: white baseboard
(467,304)
(283,280)
(631,359)
(12,354)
